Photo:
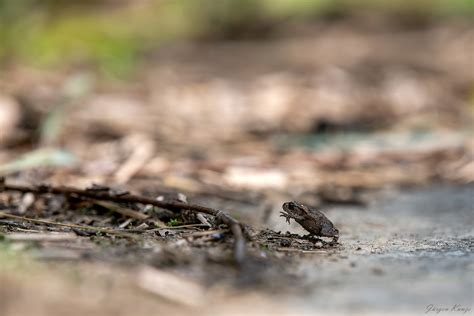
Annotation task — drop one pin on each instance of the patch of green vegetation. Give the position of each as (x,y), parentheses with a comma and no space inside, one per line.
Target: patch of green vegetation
(173,222)
(115,37)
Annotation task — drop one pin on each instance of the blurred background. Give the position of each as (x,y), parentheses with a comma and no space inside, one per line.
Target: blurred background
(185,75)
(243,104)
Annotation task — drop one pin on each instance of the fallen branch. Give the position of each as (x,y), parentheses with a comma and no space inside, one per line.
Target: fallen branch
(122,210)
(81,227)
(233,224)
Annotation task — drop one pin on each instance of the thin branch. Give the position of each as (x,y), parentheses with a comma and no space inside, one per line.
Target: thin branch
(181,226)
(233,224)
(122,210)
(82,227)
(206,233)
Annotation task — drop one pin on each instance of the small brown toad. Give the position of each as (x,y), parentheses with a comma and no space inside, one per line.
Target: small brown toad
(315,222)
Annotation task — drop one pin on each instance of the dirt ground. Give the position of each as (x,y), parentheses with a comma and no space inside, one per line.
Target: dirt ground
(408,250)
(370,122)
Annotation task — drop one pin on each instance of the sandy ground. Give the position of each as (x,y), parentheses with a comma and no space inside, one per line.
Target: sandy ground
(408,253)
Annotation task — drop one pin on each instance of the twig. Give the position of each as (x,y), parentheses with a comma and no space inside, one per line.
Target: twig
(122,210)
(302,251)
(233,224)
(206,233)
(83,227)
(182,226)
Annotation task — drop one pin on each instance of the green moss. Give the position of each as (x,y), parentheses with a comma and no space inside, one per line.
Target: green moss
(173,222)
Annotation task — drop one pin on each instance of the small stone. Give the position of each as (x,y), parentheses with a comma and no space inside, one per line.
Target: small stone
(10,116)
(377,271)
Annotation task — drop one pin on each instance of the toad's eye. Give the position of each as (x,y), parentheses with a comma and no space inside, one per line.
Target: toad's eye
(291,206)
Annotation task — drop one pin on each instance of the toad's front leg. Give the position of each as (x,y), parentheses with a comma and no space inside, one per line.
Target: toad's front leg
(288,216)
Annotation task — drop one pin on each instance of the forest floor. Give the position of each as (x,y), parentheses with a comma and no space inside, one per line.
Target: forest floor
(372,123)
